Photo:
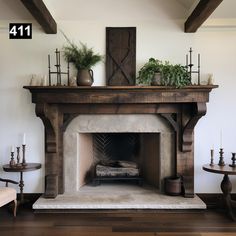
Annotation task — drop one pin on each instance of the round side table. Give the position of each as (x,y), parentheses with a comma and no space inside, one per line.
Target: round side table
(226,185)
(21,169)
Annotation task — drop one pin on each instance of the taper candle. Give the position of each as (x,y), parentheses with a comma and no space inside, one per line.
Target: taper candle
(12,148)
(24,139)
(221,137)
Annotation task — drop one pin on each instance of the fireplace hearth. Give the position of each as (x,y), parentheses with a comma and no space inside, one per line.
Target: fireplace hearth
(58,106)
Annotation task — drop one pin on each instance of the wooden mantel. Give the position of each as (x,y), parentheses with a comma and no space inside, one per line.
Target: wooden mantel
(57,106)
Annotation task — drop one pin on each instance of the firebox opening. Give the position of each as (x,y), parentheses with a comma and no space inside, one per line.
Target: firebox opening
(126,157)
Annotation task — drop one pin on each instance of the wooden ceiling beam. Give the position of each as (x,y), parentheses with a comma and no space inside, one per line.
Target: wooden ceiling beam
(42,15)
(201,12)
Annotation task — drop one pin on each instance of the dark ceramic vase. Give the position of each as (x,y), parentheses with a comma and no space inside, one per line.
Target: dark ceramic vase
(85,77)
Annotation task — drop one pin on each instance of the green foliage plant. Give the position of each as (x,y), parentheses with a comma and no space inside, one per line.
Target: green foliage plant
(175,75)
(171,75)
(147,72)
(81,56)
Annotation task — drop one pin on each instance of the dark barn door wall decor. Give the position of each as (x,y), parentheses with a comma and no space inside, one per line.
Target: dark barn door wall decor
(120,56)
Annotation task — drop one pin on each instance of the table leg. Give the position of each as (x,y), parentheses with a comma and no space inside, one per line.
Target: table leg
(226,187)
(21,185)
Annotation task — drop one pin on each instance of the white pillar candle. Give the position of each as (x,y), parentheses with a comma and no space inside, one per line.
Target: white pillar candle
(12,148)
(221,137)
(24,139)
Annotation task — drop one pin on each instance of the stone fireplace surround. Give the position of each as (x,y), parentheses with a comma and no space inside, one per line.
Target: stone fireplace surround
(58,106)
(78,146)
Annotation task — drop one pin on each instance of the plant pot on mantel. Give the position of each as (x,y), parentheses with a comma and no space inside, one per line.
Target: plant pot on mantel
(156,80)
(173,185)
(85,77)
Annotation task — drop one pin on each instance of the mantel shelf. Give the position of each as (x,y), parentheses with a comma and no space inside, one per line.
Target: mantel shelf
(138,88)
(119,94)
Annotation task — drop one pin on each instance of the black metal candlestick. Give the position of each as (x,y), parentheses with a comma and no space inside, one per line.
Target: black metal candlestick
(49,71)
(23,159)
(233,160)
(58,71)
(221,161)
(190,65)
(12,161)
(212,157)
(18,156)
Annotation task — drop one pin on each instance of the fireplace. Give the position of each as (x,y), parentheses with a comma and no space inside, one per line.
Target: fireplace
(59,107)
(146,140)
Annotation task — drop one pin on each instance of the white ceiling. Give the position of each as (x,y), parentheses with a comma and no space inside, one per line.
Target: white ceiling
(76,9)
(226,10)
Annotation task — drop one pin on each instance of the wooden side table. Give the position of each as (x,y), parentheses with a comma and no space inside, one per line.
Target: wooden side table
(21,169)
(226,185)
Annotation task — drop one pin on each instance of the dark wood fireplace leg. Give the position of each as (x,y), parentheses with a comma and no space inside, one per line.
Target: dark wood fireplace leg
(51,118)
(183,124)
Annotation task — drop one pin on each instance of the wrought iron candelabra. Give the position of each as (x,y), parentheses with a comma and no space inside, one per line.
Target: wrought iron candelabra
(58,71)
(189,66)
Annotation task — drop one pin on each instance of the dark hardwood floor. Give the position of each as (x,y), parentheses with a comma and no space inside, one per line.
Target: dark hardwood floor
(125,223)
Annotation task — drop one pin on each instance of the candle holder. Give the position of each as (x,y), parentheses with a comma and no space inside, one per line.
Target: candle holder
(221,161)
(212,157)
(233,160)
(189,66)
(23,159)
(58,71)
(18,156)
(12,161)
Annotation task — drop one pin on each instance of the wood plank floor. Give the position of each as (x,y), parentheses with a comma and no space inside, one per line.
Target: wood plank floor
(119,223)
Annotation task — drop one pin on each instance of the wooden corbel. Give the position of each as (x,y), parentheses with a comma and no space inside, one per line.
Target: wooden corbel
(199,110)
(48,115)
(171,120)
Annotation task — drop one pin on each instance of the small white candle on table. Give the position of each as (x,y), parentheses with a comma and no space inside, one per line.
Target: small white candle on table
(221,139)
(24,139)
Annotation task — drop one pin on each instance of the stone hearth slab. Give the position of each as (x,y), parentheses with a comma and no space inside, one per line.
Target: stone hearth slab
(118,196)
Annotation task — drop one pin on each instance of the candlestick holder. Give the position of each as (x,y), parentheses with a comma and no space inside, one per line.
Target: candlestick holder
(233,160)
(58,71)
(12,161)
(212,157)
(18,156)
(189,66)
(23,159)
(221,161)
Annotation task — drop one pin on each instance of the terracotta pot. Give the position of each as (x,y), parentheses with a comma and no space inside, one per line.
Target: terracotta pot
(172,186)
(85,77)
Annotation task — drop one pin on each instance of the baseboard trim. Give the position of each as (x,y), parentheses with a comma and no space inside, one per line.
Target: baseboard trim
(214,200)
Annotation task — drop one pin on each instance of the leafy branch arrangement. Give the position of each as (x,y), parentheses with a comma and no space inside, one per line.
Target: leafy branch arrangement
(82,57)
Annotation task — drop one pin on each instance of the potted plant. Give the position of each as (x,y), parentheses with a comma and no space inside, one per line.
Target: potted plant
(168,74)
(175,75)
(150,73)
(83,59)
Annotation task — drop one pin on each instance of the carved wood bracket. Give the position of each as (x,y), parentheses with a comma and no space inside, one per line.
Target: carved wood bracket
(184,127)
(49,116)
(199,110)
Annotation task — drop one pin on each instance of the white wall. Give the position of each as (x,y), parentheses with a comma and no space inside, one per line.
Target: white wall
(159,34)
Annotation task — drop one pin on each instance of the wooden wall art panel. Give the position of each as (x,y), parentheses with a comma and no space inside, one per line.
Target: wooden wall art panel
(120,56)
